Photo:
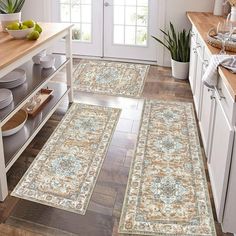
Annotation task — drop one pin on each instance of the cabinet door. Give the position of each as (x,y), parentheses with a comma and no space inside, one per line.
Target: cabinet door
(230,206)
(198,83)
(193,65)
(206,117)
(220,156)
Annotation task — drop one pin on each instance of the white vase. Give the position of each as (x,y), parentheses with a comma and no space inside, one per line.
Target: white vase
(218,7)
(6,19)
(180,70)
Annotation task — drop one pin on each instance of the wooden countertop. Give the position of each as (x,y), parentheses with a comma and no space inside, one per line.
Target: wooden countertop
(203,22)
(13,49)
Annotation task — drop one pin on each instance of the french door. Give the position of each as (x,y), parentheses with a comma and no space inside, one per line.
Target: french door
(111,28)
(128,26)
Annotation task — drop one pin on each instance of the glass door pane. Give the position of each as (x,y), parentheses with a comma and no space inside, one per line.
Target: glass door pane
(130,22)
(78,12)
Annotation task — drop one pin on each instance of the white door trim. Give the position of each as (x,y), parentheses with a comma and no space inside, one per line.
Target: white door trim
(161,25)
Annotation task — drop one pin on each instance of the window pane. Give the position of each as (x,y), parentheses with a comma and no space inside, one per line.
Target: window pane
(142,2)
(75,13)
(86,13)
(119,2)
(142,16)
(86,32)
(65,13)
(118,34)
(119,15)
(130,2)
(76,32)
(130,15)
(130,35)
(141,38)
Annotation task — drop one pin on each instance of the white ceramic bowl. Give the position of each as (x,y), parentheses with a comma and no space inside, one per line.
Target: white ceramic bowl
(20,34)
(15,124)
(36,58)
(47,61)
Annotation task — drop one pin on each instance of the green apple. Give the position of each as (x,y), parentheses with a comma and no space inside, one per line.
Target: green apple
(38,28)
(24,27)
(34,35)
(29,23)
(13,26)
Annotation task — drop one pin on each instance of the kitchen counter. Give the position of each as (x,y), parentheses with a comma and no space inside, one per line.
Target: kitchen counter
(203,22)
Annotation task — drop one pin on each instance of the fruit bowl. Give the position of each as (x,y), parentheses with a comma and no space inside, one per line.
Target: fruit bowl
(21,33)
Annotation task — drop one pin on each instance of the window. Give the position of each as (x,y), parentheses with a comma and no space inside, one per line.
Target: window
(130,22)
(78,12)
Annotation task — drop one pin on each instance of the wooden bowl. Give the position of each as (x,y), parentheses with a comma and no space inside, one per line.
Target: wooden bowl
(15,124)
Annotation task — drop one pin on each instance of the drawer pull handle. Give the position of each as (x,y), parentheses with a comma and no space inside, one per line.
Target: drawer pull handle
(221,94)
(206,63)
(212,97)
(192,34)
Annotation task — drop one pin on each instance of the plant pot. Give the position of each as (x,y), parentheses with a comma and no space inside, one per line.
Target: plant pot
(6,19)
(180,70)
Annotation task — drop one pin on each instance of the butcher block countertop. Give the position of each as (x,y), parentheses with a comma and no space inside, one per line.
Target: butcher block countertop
(203,22)
(13,49)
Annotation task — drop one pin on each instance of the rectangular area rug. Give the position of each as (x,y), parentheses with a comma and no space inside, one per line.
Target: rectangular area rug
(64,173)
(110,78)
(167,190)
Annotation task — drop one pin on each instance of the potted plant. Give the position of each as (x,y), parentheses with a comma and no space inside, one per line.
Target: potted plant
(232,15)
(10,11)
(179,46)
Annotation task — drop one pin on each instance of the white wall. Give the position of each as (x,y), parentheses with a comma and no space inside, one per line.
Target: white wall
(176,13)
(38,10)
(173,10)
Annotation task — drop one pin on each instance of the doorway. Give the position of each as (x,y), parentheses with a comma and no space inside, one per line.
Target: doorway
(118,29)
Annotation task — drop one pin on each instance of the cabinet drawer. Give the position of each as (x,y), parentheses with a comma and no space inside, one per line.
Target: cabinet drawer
(226,100)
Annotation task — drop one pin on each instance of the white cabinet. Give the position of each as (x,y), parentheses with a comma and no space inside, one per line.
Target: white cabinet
(193,62)
(206,118)
(229,223)
(220,155)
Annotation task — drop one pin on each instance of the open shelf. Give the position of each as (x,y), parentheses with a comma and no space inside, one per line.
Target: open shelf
(36,77)
(15,144)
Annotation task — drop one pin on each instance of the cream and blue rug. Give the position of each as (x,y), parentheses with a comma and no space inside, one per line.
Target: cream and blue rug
(64,173)
(110,78)
(167,190)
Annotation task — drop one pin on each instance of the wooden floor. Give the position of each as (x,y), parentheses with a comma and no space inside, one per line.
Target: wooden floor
(19,217)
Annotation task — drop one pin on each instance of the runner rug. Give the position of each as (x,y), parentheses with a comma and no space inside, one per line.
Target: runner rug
(167,189)
(64,173)
(110,78)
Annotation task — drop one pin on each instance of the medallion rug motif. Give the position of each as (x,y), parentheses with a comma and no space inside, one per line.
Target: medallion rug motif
(64,173)
(110,78)
(167,189)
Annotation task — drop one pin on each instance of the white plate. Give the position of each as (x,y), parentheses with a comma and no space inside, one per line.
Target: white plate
(17,122)
(15,75)
(12,84)
(5,94)
(6,103)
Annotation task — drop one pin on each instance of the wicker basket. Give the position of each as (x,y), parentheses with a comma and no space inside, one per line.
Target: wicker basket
(229,45)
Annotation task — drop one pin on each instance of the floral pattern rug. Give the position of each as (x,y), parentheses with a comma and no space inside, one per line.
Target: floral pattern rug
(167,189)
(110,78)
(64,173)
